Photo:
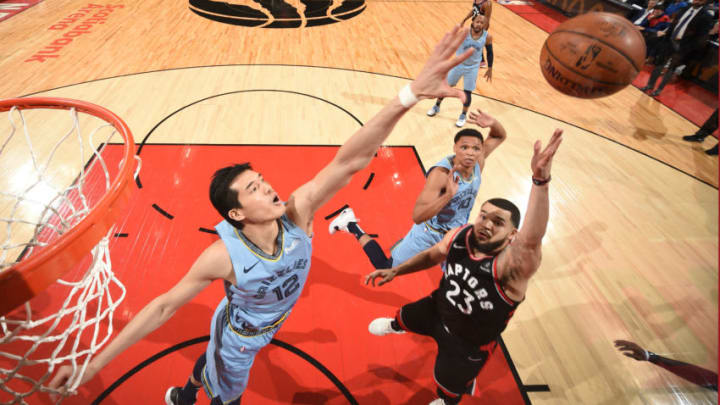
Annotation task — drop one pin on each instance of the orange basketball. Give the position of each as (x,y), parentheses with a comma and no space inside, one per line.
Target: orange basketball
(592,55)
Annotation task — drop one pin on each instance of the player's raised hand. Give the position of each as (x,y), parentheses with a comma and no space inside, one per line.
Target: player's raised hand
(631,349)
(431,81)
(481,119)
(542,161)
(387,276)
(453,182)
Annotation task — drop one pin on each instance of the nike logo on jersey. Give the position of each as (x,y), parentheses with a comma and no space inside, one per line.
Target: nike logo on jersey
(456,246)
(247,269)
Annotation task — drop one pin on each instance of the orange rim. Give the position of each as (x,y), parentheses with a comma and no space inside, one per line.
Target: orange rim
(33,275)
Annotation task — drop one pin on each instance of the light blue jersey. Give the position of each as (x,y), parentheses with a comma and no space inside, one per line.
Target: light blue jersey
(266,289)
(455,213)
(478,44)
(468,70)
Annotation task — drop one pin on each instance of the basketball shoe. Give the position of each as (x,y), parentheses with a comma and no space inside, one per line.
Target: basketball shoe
(461,120)
(172,397)
(382,327)
(433,111)
(341,222)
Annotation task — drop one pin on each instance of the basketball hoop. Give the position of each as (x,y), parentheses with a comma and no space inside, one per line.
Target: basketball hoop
(63,190)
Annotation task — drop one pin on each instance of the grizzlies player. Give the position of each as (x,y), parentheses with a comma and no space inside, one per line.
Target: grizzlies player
(468,70)
(263,254)
(486,270)
(446,200)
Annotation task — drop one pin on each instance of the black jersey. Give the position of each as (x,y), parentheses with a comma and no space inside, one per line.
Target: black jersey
(478,8)
(470,300)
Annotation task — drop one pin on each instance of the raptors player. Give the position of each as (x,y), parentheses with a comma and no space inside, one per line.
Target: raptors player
(486,270)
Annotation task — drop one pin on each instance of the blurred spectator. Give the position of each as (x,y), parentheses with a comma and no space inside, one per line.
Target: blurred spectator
(641,15)
(698,375)
(672,8)
(686,35)
(706,129)
(650,25)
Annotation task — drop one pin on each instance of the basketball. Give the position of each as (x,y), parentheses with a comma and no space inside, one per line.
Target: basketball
(592,55)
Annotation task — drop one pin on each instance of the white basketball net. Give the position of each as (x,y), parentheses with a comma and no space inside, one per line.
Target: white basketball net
(71,321)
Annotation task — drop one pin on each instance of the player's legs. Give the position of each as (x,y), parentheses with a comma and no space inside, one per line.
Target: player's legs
(230,356)
(417,317)
(418,239)
(187,394)
(453,78)
(347,222)
(456,365)
(469,82)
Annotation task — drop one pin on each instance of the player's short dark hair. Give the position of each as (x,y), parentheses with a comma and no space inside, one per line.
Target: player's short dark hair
(507,206)
(469,132)
(223,197)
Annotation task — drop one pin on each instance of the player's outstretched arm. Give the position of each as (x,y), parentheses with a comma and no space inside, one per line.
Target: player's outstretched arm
(422,261)
(440,187)
(523,255)
(497,133)
(467,17)
(212,264)
(488,13)
(695,374)
(357,152)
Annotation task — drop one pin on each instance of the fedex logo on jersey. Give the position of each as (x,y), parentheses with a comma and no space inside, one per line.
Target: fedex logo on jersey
(460,297)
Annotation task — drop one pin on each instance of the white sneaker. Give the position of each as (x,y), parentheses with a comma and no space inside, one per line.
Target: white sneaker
(341,222)
(382,327)
(461,121)
(438,401)
(433,111)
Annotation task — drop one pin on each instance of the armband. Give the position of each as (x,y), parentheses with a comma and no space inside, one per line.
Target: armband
(406,96)
(540,182)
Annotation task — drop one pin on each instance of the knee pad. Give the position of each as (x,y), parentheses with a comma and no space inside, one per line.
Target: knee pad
(468,98)
(198,368)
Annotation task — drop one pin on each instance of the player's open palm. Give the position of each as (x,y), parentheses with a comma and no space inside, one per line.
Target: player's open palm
(431,81)
(481,119)
(542,160)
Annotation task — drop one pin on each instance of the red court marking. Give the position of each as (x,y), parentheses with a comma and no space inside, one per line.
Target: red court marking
(9,8)
(329,321)
(688,99)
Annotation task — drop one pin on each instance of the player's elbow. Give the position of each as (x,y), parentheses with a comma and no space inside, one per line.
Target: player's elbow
(163,307)
(420,214)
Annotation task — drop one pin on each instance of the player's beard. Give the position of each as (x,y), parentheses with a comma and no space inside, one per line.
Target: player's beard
(487,248)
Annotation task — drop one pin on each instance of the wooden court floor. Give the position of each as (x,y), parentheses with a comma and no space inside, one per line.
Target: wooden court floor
(632,248)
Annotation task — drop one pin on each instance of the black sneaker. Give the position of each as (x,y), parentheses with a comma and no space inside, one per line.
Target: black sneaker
(694,138)
(646,88)
(172,397)
(656,93)
(712,151)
